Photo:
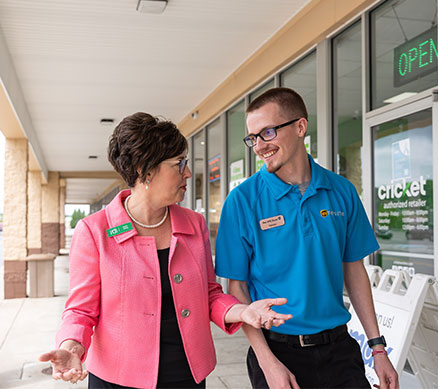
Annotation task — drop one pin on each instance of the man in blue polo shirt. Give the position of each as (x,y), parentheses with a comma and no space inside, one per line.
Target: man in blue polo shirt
(299,231)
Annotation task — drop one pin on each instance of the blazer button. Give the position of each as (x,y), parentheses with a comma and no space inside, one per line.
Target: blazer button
(185,313)
(178,278)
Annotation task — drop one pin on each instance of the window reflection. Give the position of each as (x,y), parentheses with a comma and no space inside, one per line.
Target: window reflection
(198,172)
(236,131)
(256,161)
(347,104)
(214,179)
(301,77)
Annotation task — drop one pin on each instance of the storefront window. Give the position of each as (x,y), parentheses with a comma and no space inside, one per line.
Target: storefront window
(187,201)
(257,163)
(404,50)
(347,104)
(301,77)
(403,192)
(198,172)
(262,89)
(236,131)
(214,179)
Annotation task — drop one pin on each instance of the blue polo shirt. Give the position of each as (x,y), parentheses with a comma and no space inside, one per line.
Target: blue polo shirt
(302,258)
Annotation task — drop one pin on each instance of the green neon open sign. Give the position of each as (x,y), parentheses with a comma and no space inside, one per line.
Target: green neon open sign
(416,58)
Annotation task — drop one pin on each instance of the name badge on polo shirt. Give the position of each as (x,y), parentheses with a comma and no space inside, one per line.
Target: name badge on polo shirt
(272,222)
(119,229)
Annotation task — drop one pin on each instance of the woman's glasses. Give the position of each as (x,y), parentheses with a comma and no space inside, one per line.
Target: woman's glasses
(181,163)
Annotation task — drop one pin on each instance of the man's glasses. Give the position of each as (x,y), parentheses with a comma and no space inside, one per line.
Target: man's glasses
(266,135)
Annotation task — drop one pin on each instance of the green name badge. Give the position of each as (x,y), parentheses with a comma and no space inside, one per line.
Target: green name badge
(119,229)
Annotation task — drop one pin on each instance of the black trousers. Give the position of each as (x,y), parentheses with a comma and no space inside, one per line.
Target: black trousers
(338,364)
(95,382)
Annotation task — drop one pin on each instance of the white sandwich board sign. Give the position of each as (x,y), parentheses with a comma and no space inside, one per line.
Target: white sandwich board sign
(399,301)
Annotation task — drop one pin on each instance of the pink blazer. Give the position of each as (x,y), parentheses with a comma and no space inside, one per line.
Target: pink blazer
(114,304)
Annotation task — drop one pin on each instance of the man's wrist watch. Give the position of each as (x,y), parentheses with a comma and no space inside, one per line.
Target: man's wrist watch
(376,341)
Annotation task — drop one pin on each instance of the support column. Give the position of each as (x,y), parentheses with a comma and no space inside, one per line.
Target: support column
(62,190)
(34,213)
(50,215)
(15,217)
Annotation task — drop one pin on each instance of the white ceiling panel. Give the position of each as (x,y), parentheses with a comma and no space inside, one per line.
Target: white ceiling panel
(79,61)
(83,190)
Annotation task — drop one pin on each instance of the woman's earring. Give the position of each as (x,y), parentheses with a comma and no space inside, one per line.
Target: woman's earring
(148,181)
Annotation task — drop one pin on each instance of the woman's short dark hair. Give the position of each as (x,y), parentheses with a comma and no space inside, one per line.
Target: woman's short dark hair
(140,142)
(289,101)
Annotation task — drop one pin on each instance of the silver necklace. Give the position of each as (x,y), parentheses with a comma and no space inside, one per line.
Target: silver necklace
(141,224)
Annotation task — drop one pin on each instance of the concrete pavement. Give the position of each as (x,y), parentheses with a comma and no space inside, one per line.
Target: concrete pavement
(28,327)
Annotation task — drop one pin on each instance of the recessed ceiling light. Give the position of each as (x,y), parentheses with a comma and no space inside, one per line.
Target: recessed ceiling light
(399,97)
(106,121)
(92,157)
(151,6)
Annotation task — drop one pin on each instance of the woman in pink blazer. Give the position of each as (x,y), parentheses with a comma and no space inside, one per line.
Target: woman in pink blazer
(142,285)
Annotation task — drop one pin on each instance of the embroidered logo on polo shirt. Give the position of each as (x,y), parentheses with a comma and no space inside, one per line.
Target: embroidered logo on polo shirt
(271,222)
(325,213)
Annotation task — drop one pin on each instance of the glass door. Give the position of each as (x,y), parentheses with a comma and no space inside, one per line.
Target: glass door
(403,201)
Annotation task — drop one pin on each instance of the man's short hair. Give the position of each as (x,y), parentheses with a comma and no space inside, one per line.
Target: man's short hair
(289,101)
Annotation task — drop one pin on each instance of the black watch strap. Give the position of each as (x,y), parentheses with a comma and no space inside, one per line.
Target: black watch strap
(375,341)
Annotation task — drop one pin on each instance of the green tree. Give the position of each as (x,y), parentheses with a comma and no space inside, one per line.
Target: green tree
(77,215)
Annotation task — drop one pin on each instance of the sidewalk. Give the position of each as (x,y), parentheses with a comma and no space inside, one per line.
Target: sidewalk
(28,327)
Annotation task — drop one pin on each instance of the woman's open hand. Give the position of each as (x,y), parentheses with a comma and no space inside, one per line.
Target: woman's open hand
(66,362)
